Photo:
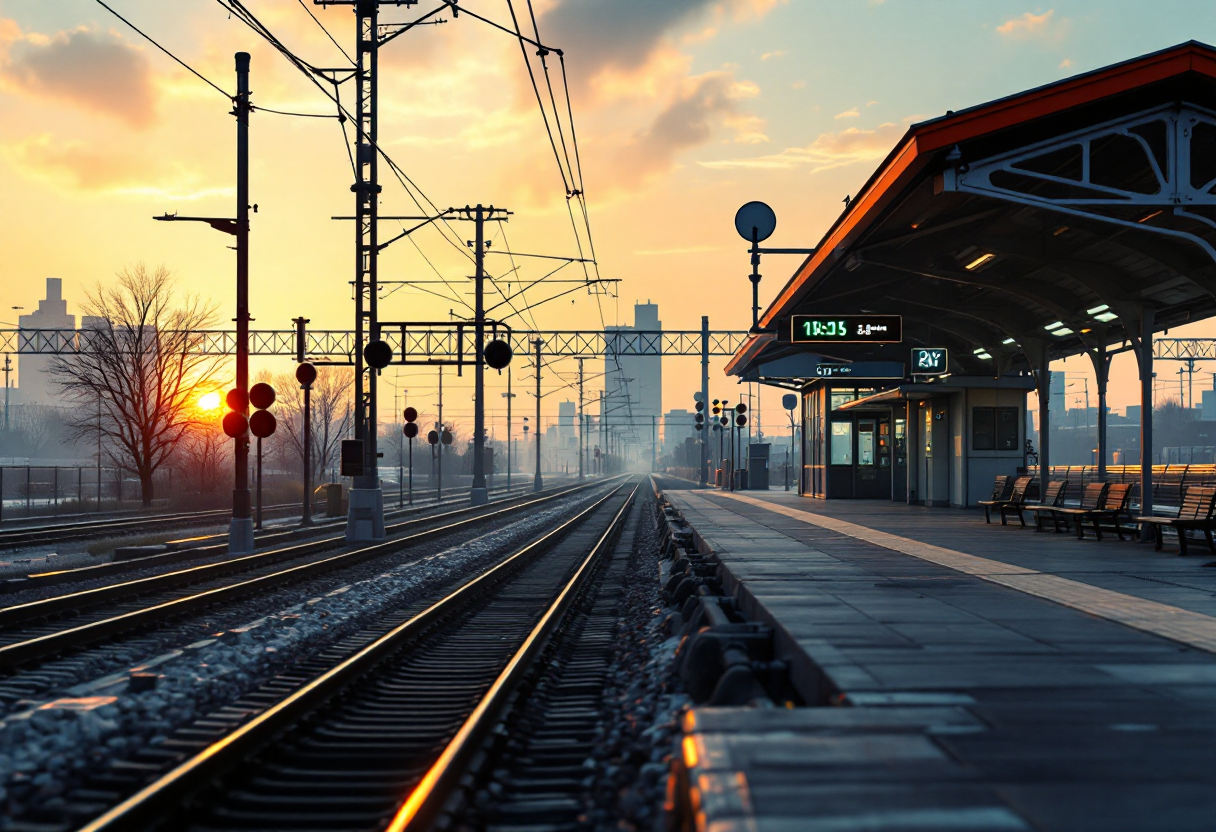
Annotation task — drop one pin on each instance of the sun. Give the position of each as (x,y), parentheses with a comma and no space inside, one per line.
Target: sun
(209,401)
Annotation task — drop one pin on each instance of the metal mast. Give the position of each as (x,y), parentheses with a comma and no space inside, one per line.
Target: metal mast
(365,518)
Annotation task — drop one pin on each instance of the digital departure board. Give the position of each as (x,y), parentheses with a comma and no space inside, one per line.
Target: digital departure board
(844,329)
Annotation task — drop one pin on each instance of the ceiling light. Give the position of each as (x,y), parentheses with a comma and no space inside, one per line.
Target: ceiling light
(1085,331)
(1097,309)
(983,355)
(1105,317)
(979,261)
(1148,217)
(1059,231)
(977,352)
(1062,331)
(1008,341)
(1056,325)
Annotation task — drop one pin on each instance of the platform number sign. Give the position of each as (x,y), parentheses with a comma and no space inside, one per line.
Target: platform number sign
(930,361)
(846,329)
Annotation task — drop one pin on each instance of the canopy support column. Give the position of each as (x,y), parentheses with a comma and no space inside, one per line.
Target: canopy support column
(1101,361)
(1147,314)
(1043,382)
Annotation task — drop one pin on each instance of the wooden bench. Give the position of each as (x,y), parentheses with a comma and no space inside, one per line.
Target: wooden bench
(1017,497)
(1091,497)
(999,489)
(1053,498)
(1113,505)
(1194,515)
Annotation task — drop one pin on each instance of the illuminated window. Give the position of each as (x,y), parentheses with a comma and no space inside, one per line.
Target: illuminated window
(842,443)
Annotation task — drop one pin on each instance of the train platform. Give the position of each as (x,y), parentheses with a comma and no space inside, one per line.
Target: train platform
(957,676)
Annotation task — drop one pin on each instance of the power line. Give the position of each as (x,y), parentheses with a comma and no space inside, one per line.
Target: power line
(149,39)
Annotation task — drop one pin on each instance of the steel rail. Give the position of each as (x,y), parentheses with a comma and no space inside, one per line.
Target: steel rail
(158,798)
(183,553)
(426,801)
(40,647)
(60,532)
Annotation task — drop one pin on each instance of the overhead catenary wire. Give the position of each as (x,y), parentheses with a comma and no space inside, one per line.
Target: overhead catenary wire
(150,40)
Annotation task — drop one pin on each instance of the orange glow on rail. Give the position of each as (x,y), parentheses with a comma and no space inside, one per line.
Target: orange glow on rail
(690,752)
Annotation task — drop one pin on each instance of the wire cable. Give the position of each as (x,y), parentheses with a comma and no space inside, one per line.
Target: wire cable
(149,39)
(321,25)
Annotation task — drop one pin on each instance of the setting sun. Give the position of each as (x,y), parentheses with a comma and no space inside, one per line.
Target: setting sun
(209,401)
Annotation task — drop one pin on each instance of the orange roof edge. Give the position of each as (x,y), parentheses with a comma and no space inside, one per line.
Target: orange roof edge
(910,155)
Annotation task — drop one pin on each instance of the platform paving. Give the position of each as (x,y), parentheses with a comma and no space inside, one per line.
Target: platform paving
(999,679)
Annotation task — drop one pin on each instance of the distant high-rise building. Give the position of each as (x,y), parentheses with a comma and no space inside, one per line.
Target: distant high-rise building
(33,371)
(677,426)
(633,384)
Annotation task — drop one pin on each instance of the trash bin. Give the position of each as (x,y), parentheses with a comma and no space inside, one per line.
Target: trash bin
(333,499)
(740,479)
(757,466)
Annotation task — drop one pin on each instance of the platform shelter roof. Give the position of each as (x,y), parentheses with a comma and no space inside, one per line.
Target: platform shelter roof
(1027,229)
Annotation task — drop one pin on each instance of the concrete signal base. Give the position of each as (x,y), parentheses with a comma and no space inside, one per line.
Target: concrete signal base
(365,515)
(479,497)
(240,536)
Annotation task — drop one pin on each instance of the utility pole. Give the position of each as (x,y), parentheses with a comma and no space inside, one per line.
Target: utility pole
(365,516)
(8,368)
(705,396)
(480,215)
(580,421)
(654,436)
(439,446)
(240,532)
(508,396)
(538,483)
(603,435)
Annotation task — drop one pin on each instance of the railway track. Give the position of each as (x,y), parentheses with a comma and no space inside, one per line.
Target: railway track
(196,549)
(53,533)
(384,735)
(35,631)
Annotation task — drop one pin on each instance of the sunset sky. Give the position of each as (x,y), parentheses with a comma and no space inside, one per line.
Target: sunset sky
(684,109)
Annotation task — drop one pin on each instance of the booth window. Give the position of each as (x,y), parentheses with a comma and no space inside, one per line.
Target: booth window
(842,443)
(994,429)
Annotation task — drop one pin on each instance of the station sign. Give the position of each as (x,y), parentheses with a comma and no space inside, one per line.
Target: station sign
(930,361)
(846,329)
(860,369)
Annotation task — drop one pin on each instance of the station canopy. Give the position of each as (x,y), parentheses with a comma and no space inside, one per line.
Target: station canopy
(1024,230)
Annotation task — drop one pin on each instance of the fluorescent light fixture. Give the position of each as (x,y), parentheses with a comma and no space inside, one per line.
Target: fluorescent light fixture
(1097,309)
(979,261)
(1062,331)
(1056,325)
(1105,317)
(1008,341)
(977,352)
(983,355)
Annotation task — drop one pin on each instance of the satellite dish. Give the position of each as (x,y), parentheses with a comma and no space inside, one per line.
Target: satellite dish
(755,222)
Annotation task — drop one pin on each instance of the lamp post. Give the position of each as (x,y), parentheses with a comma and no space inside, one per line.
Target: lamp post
(240,534)
(538,482)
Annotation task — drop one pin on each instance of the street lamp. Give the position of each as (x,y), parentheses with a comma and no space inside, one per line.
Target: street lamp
(240,534)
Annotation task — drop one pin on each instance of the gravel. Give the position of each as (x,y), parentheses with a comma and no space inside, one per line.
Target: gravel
(642,702)
(46,745)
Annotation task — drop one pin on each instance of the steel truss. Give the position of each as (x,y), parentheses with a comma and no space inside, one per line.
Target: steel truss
(410,346)
(1155,159)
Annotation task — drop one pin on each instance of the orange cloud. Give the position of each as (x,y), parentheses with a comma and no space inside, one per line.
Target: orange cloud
(829,150)
(94,71)
(1030,25)
(86,166)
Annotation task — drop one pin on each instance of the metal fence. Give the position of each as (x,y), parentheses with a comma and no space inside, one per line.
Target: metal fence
(49,491)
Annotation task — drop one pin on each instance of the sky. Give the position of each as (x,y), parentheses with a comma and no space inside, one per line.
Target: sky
(683,111)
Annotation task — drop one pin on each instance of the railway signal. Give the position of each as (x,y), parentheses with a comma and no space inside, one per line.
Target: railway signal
(410,429)
(306,374)
(262,424)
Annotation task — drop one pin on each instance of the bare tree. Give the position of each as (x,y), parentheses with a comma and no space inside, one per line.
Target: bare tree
(205,457)
(35,428)
(136,370)
(332,415)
